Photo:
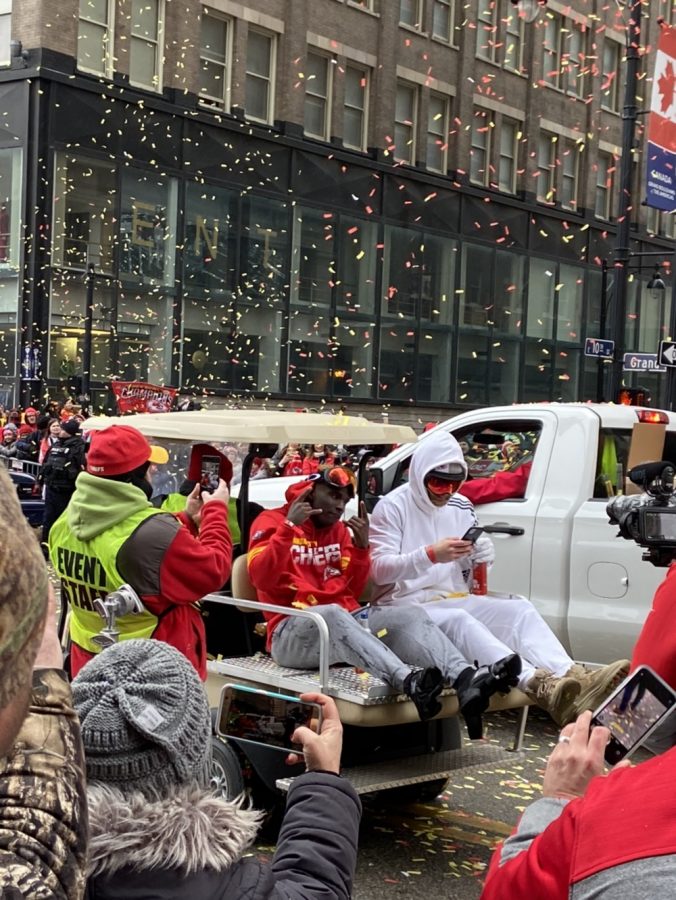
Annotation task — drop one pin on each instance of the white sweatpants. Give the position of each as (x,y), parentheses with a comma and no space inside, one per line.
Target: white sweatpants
(486,628)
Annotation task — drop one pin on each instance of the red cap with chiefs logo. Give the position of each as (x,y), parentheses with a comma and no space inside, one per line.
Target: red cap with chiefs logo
(119,449)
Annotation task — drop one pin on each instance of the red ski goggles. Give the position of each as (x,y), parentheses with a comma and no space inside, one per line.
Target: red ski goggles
(337,477)
(441,486)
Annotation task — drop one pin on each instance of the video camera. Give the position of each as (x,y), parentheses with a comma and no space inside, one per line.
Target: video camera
(649,519)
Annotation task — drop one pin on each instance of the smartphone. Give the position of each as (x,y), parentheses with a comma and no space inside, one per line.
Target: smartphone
(210,468)
(264,717)
(633,711)
(472,533)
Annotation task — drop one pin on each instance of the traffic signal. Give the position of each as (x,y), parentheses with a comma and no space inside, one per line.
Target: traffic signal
(633,397)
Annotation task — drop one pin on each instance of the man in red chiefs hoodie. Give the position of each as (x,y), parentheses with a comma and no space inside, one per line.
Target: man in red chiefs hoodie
(302,555)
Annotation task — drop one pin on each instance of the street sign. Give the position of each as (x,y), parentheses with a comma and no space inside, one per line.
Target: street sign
(641,362)
(667,353)
(597,347)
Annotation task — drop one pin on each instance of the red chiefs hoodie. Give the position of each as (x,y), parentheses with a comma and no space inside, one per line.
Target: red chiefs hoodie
(304,565)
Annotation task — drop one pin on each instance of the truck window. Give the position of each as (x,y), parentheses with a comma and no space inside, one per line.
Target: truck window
(611,462)
(491,447)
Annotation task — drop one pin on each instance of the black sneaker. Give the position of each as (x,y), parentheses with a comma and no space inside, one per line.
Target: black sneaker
(475,687)
(423,686)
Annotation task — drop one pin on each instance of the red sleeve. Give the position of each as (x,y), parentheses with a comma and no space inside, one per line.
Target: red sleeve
(542,870)
(656,644)
(501,486)
(269,549)
(195,566)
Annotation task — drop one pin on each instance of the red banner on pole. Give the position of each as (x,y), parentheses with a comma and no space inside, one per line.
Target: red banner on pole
(137,396)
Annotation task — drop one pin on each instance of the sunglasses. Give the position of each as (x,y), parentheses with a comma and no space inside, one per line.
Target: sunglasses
(336,477)
(440,486)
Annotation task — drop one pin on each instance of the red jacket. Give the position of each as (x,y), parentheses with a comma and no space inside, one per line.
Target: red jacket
(171,565)
(303,565)
(656,644)
(501,486)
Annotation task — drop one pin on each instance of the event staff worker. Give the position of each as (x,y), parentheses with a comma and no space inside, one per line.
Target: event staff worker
(111,535)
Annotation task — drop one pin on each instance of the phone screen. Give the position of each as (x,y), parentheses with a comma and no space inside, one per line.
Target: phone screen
(264,717)
(210,473)
(633,711)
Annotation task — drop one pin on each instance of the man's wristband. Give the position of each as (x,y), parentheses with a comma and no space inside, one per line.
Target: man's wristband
(289,523)
(431,555)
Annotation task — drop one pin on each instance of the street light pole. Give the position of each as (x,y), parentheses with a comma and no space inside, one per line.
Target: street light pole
(622,252)
(87,337)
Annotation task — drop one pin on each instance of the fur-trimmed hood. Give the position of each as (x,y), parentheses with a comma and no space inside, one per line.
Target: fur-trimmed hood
(188,832)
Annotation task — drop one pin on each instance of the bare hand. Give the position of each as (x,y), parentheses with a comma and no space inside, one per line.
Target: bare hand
(301,510)
(221,493)
(50,653)
(572,764)
(449,549)
(359,526)
(322,751)
(194,504)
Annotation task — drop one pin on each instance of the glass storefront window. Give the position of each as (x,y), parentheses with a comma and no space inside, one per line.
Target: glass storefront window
(83,228)
(476,297)
(566,374)
(11,182)
(310,354)
(538,371)
(210,240)
(503,384)
(419,276)
(473,350)
(313,267)
(148,228)
(66,338)
(507,312)
(397,361)
(541,292)
(357,266)
(352,358)
(145,336)
(264,263)
(570,290)
(434,365)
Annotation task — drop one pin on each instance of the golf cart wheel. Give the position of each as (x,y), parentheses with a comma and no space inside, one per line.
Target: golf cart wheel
(227,781)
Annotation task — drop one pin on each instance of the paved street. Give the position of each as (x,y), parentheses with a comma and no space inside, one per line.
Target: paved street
(440,850)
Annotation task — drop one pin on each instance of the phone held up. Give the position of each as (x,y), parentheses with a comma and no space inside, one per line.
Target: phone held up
(633,711)
(473,533)
(210,467)
(264,717)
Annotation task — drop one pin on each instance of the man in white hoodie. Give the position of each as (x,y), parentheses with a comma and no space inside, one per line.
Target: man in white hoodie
(418,557)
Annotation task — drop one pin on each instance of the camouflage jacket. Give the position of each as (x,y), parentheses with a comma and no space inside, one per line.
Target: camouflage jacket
(43,811)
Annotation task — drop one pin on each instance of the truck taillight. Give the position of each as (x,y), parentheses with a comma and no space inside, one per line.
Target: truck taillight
(654,416)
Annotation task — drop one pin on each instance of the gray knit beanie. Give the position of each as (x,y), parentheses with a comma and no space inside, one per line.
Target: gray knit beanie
(145,719)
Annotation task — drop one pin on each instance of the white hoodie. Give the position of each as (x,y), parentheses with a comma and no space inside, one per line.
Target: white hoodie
(406,521)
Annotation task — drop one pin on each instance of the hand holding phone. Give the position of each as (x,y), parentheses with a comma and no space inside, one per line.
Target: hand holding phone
(473,533)
(322,751)
(633,711)
(575,760)
(210,468)
(264,717)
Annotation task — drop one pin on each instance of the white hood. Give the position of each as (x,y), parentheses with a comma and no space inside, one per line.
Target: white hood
(406,522)
(437,450)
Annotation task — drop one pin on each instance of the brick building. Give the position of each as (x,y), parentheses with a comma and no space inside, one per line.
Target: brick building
(400,203)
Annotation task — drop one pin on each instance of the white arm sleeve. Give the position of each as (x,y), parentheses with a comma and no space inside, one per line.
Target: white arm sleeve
(388,564)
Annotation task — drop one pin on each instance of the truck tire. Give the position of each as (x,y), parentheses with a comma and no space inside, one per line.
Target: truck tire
(227,781)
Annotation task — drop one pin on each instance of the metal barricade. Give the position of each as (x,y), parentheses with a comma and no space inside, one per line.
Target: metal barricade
(12,464)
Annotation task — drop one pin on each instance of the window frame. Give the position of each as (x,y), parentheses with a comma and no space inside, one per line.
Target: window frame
(443,134)
(573,84)
(547,171)
(614,105)
(366,76)
(450,6)
(488,130)
(159,49)
(608,185)
(552,53)
(513,15)
(272,79)
(417,24)
(223,103)
(328,105)
(486,9)
(518,126)
(413,125)
(109,27)
(572,151)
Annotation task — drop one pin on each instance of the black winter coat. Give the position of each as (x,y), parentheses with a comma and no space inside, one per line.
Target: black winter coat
(192,846)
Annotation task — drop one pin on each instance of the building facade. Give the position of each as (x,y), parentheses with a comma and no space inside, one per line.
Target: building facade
(395,203)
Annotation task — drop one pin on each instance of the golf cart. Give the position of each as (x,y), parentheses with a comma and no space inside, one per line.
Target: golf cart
(386,747)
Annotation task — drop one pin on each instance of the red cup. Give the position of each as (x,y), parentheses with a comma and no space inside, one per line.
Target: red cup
(480,578)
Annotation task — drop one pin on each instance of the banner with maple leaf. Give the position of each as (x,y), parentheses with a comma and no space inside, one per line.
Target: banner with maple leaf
(661,176)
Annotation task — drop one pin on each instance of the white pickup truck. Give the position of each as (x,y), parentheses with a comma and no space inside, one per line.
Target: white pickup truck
(592,587)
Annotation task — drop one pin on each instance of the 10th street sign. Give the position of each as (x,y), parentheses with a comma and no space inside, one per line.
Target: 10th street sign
(597,347)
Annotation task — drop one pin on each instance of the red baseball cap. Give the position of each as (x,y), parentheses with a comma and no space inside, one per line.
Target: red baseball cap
(119,449)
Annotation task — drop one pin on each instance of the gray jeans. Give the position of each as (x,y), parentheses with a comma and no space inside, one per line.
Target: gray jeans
(410,640)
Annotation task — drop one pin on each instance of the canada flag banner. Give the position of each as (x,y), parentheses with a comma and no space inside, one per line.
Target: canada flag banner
(661,175)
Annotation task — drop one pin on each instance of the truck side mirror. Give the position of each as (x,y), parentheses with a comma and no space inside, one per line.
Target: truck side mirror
(374,482)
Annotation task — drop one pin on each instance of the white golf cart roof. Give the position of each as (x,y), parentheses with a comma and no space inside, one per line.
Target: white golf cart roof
(259,426)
